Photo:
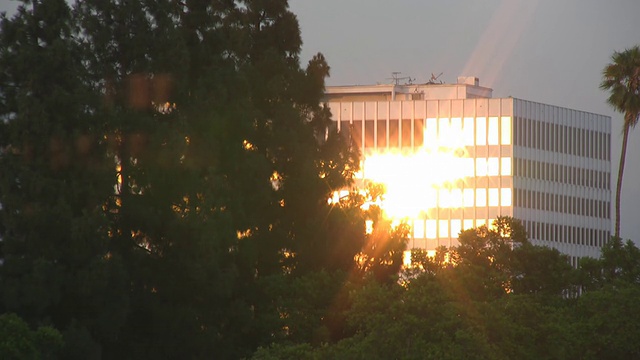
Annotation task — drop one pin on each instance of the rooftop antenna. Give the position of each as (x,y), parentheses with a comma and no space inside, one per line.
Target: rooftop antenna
(395,77)
(434,79)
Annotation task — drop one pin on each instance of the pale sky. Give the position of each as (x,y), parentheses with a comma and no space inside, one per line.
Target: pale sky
(549,51)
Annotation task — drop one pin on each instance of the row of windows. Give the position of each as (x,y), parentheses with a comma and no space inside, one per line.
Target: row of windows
(562,138)
(562,173)
(566,234)
(463,198)
(408,134)
(434,229)
(439,229)
(465,166)
(560,203)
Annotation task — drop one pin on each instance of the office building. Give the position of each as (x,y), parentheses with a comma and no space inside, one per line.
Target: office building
(453,157)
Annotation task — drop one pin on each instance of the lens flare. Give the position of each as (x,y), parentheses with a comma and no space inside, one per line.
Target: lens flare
(424,179)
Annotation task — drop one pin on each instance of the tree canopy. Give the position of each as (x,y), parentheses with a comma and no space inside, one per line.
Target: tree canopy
(166,170)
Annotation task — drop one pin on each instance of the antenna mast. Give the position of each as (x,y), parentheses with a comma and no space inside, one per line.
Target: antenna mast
(395,77)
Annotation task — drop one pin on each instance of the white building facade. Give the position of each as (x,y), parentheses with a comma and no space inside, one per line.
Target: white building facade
(545,165)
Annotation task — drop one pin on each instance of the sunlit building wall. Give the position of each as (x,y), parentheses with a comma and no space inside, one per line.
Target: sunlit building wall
(464,158)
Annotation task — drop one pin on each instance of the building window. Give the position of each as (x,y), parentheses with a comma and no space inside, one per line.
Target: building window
(505,168)
(431,229)
(418,133)
(394,136)
(481,167)
(468,224)
(481,197)
(406,134)
(493,133)
(369,137)
(467,131)
(481,131)
(382,134)
(431,132)
(493,168)
(443,228)
(444,133)
(456,227)
(494,198)
(356,132)
(455,199)
(456,128)
(468,197)
(505,197)
(505,138)
(418,229)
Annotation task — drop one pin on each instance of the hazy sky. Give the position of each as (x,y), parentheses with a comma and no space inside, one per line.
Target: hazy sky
(548,51)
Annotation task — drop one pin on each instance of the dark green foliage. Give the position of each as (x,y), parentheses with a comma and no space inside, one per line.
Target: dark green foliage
(166,169)
(618,265)
(492,261)
(55,180)
(496,296)
(17,341)
(165,163)
(607,323)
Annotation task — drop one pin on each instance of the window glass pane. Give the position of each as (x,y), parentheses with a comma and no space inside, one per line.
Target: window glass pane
(443,228)
(393,133)
(455,132)
(456,227)
(382,134)
(468,131)
(356,133)
(505,196)
(481,197)
(481,222)
(444,133)
(406,134)
(431,132)
(418,133)
(493,131)
(494,199)
(468,224)
(505,168)
(431,229)
(456,198)
(345,129)
(506,130)
(481,131)
(368,133)
(468,198)
(481,167)
(468,167)
(492,167)
(418,229)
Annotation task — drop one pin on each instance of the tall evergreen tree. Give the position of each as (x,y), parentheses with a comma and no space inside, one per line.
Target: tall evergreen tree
(165,160)
(222,183)
(55,179)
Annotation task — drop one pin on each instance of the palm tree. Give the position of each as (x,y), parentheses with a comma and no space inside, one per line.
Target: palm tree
(622,78)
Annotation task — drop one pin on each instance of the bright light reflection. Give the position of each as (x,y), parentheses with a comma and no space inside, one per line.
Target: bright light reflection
(422,180)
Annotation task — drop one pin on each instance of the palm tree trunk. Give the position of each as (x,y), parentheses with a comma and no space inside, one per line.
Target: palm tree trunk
(625,137)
